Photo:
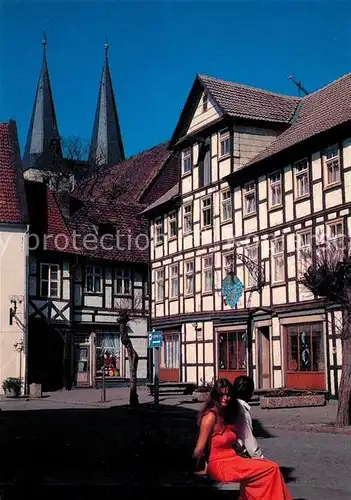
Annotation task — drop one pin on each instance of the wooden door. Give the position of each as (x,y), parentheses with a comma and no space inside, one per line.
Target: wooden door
(170,358)
(263,358)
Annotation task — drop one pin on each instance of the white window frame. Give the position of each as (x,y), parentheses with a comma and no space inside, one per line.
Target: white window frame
(50,268)
(173,222)
(207,208)
(278,256)
(250,280)
(174,281)
(187,219)
(123,281)
(301,169)
(224,140)
(186,161)
(275,188)
(335,235)
(159,230)
(160,284)
(96,273)
(330,161)
(207,272)
(226,204)
(249,189)
(304,250)
(189,275)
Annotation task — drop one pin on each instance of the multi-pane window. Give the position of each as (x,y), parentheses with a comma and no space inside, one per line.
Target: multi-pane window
(249,198)
(173,224)
(232,350)
(301,177)
(207,269)
(205,167)
(187,219)
(186,161)
(224,143)
(278,260)
(305,249)
(174,280)
(332,165)
(206,212)
(49,280)
(189,277)
(252,253)
(93,279)
(160,284)
(226,205)
(305,347)
(123,281)
(275,189)
(204,102)
(336,234)
(159,230)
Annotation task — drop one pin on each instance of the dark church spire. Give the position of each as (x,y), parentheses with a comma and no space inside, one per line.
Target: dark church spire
(106,145)
(43,140)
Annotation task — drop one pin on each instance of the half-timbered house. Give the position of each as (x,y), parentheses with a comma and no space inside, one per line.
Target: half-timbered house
(262,177)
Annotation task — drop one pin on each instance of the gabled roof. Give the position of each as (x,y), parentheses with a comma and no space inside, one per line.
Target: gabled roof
(106,145)
(243,101)
(43,139)
(320,111)
(126,181)
(238,101)
(13,205)
(78,233)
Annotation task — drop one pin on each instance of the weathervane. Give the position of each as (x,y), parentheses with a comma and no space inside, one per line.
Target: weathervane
(298,85)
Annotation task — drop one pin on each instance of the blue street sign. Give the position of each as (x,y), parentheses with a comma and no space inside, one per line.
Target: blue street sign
(155,338)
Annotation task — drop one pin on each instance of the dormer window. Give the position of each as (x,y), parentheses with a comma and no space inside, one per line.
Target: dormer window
(204,103)
(106,228)
(186,161)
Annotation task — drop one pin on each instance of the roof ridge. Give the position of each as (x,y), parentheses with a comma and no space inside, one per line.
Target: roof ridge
(327,85)
(250,87)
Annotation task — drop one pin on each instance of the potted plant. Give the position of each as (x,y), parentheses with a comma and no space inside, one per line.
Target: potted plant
(12,387)
(203,390)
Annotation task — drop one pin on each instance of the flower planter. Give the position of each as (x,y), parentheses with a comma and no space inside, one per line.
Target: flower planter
(11,393)
(271,402)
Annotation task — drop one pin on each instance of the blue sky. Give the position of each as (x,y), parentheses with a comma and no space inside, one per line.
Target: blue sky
(156,49)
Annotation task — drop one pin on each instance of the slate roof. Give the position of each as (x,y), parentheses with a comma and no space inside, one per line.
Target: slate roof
(13,206)
(320,111)
(126,181)
(249,102)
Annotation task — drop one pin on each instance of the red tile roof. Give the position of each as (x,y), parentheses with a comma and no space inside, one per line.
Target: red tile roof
(320,111)
(13,206)
(249,102)
(128,180)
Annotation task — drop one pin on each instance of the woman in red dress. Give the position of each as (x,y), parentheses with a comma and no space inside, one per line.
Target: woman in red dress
(259,478)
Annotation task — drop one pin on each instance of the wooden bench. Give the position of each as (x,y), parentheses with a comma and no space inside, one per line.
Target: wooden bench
(172,388)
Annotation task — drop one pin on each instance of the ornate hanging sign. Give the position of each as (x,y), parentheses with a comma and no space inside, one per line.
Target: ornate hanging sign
(232,289)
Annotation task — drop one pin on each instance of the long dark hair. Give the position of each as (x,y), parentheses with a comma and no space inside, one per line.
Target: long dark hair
(228,413)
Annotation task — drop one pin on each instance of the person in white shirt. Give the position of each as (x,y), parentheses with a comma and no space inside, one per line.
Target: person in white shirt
(243,389)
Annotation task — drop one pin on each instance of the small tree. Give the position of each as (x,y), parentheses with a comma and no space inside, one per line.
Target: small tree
(329,276)
(126,313)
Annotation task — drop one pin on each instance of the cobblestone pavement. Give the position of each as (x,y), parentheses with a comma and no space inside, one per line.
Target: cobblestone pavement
(316,465)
